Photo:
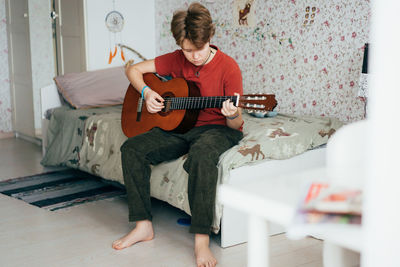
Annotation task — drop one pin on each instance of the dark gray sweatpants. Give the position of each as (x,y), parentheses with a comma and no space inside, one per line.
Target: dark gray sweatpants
(203,145)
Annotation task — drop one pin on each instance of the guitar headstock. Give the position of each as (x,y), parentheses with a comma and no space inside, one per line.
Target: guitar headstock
(258,102)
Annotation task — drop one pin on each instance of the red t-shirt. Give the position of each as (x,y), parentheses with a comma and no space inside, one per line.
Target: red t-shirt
(220,77)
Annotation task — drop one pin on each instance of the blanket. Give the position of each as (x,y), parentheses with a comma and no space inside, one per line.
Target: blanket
(90,140)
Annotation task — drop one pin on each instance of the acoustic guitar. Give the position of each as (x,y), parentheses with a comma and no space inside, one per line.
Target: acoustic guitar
(182,103)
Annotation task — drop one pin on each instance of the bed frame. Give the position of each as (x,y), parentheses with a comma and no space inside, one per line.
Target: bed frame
(233,222)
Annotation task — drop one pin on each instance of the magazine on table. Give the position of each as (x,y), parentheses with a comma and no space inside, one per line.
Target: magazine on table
(323,205)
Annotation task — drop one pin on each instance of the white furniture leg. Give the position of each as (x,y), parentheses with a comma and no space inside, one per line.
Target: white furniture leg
(234,224)
(258,244)
(336,256)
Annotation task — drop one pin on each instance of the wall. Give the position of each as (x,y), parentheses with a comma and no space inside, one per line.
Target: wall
(312,69)
(5,99)
(138,31)
(381,218)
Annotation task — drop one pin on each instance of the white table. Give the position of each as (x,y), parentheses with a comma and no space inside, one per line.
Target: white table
(274,200)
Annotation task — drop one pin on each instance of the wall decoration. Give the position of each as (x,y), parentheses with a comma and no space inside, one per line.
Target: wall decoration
(243,13)
(131,61)
(309,16)
(115,23)
(138,32)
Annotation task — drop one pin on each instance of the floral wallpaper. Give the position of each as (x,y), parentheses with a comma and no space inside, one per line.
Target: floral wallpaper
(308,53)
(5,100)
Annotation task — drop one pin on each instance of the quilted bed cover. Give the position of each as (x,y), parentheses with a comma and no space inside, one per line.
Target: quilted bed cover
(90,140)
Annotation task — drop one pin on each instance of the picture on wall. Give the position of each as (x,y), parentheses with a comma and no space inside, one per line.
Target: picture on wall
(243,13)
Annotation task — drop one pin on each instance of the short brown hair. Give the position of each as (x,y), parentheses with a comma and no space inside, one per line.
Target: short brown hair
(194,24)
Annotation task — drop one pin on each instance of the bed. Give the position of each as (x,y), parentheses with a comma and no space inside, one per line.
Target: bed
(89,139)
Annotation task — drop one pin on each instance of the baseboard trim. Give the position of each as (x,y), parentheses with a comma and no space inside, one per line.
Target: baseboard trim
(31,139)
(7,135)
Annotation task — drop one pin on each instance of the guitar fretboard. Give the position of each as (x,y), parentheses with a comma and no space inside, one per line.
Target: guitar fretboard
(197,102)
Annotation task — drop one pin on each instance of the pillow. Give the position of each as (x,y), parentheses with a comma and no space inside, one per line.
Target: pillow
(97,88)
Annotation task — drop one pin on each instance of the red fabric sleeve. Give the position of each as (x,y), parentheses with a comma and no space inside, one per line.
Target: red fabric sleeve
(233,82)
(170,64)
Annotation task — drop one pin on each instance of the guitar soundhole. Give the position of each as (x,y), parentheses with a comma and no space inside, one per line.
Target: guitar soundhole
(166,110)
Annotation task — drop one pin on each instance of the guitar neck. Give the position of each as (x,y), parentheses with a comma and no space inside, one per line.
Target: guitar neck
(198,102)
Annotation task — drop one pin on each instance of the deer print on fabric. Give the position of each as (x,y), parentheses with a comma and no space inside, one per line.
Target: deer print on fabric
(253,151)
(95,169)
(277,123)
(329,133)
(90,133)
(279,133)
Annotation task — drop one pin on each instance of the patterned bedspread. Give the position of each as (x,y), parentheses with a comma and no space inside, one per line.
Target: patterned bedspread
(90,140)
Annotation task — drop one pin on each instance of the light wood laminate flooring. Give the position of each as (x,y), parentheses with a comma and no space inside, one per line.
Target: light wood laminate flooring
(82,235)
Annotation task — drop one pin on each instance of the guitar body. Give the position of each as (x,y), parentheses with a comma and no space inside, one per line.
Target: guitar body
(169,120)
(182,105)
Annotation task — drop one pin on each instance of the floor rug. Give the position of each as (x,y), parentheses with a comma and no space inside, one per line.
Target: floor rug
(60,189)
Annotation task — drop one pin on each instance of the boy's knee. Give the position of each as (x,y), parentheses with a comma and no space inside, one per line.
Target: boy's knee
(126,146)
(131,151)
(201,153)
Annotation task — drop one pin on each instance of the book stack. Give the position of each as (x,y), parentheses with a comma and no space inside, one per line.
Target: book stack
(324,207)
(324,203)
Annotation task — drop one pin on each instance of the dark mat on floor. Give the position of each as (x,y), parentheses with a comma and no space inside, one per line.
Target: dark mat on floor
(60,189)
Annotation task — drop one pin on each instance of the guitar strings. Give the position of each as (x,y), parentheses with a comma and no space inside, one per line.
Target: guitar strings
(198,102)
(199,99)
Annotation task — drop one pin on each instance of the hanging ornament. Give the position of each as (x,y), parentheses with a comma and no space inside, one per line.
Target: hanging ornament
(114,23)
(130,62)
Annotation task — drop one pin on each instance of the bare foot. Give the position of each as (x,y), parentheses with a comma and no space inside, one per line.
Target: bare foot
(204,256)
(142,232)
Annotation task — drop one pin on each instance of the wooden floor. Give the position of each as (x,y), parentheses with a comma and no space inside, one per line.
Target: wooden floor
(82,235)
